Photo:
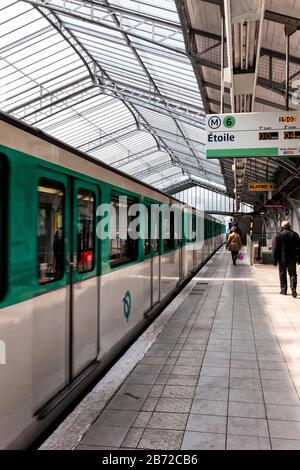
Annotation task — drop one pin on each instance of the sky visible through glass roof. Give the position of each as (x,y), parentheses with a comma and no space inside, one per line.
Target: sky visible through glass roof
(110,77)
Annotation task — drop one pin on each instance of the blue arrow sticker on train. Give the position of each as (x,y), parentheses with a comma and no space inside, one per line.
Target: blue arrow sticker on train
(127,305)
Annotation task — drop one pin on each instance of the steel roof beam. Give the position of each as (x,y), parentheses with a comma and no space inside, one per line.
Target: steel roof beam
(95,69)
(191,48)
(215,86)
(152,170)
(124,33)
(152,101)
(175,138)
(86,59)
(263,51)
(66,10)
(108,139)
(160,139)
(189,159)
(51,99)
(164,181)
(218,3)
(272,104)
(25,75)
(132,157)
(91,64)
(118,90)
(151,80)
(261,82)
(25,39)
(176,188)
(180,186)
(189,166)
(152,20)
(279,55)
(283,18)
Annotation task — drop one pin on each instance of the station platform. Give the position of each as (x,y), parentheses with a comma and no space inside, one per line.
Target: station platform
(223,372)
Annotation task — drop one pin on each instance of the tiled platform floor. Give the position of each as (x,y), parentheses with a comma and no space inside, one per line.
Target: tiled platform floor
(224,373)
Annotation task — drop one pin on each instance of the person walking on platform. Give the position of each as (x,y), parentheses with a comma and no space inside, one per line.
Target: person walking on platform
(238,230)
(286,253)
(234,244)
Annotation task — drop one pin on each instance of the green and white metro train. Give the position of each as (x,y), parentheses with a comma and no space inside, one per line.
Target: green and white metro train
(69,302)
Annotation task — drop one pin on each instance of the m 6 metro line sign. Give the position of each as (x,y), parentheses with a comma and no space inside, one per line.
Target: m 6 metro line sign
(253,135)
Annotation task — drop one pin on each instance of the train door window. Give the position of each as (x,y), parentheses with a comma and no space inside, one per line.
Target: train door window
(177,229)
(3,223)
(155,229)
(194,227)
(85,231)
(51,238)
(169,241)
(147,230)
(190,228)
(151,243)
(123,247)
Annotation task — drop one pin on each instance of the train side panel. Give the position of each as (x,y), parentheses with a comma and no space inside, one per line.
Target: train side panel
(38,323)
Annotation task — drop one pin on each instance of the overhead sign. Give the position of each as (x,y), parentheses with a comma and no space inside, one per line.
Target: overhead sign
(249,135)
(273,205)
(261,187)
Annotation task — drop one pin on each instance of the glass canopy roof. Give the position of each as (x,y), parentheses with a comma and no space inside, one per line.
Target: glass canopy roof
(110,77)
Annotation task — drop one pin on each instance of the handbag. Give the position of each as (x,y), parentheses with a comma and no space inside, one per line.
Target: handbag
(240,256)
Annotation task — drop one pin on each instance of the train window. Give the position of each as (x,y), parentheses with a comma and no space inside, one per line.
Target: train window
(51,238)
(123,247)
(86,231)
(155,230)
(151,242)
(190,227)
(3,223)
(169,240)
(147,234)
(194,228)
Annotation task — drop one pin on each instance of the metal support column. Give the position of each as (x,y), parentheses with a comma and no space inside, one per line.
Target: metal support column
(222,63)
(289,31)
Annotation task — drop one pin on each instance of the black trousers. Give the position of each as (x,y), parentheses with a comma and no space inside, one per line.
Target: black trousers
(292,270)
(234,255)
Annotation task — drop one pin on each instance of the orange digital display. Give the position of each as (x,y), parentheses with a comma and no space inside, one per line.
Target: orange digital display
(292,135)
(268,136)
(287,119)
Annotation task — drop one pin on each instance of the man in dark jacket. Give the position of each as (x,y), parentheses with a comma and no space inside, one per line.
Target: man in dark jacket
(286,252)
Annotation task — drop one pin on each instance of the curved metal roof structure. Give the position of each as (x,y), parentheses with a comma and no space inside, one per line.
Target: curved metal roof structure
(112,78)
(254,60)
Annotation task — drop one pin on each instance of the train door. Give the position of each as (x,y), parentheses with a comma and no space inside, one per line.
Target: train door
(155,259)
(84,277)
(50,309)
(65,332)
(194,228)
(179,242)
(180,249)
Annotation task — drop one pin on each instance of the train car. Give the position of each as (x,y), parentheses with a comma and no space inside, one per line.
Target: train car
(69,299)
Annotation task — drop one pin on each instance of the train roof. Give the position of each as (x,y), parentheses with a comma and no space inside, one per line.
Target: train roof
(53,140)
